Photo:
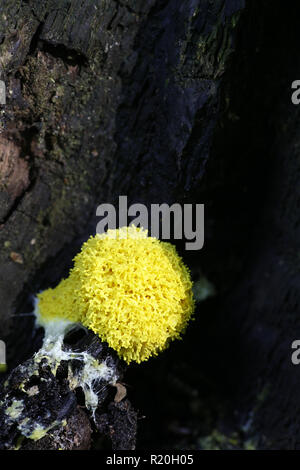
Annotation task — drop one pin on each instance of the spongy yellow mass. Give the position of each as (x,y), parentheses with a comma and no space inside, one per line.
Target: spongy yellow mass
(132,290)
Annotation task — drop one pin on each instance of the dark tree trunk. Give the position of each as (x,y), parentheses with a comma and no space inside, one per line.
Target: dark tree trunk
(129,97)
(104,98)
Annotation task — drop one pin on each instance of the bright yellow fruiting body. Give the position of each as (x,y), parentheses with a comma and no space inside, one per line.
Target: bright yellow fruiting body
(132,290)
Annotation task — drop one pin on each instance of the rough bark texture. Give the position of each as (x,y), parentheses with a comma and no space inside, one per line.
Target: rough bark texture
(104,98)
(127,97)
(91,86)
(46,401)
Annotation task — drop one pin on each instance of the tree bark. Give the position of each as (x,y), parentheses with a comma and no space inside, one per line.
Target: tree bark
(129,97)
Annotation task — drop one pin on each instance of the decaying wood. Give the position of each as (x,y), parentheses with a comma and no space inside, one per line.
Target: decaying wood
(103,98)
